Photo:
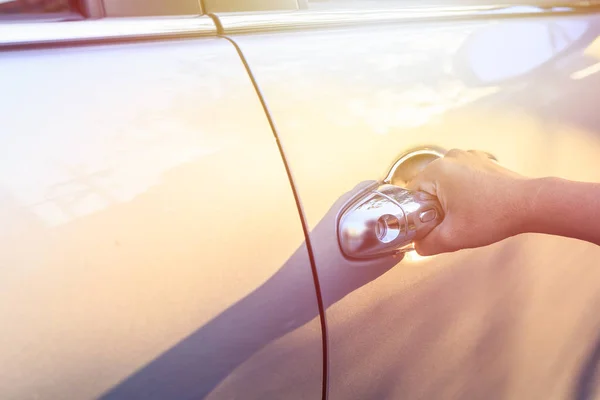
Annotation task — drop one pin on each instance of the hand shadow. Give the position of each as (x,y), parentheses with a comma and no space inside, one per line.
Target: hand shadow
(193,367)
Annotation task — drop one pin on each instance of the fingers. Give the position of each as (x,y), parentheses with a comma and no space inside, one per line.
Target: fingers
(460,154)
(455,153)
(449,179)
(439,240)
(431,244)
(422,183)
(425,181)
(483,154)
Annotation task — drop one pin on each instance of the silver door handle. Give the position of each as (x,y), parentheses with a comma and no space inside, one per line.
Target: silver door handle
(386,218)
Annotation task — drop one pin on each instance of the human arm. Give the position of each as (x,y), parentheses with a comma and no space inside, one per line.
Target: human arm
(485,203)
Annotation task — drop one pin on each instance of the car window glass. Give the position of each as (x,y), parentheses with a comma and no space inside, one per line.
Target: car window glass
(31,7)
(25,9)
(146,8)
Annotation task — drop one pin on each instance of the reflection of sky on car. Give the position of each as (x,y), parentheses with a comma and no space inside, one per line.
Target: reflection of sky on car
(407,79)
(527,44)
(592,51)
(401,89)
(404,81)
(368,93)
(118,136)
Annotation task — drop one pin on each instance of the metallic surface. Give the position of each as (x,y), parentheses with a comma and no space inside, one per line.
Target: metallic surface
(386,220)
(28,33)
(236,23)
(150,245)
(516,320)
(411,163)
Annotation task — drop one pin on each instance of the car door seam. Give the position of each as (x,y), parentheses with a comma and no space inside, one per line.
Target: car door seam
(299,207)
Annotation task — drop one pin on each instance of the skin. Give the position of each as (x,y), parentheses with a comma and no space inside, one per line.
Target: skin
(485,203)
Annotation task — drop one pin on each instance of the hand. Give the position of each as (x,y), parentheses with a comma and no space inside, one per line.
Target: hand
(482,201)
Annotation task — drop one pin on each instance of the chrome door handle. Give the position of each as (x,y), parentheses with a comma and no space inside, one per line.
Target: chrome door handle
(386,219)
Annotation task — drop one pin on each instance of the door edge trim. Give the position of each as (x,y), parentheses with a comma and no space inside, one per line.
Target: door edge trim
(106,29)
(254,22)
(302,217)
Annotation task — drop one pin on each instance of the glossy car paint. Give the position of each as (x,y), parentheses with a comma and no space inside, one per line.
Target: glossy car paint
(144,209)
(514,320)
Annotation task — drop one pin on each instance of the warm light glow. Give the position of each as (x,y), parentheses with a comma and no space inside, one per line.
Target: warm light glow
(593,50)
(583,73)
(413,256)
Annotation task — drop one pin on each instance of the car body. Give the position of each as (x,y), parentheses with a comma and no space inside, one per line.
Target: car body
(170,187)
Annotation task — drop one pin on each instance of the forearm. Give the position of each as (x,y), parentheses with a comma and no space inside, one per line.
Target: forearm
(560,207)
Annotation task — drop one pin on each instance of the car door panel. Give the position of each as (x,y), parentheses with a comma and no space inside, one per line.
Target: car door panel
(513,320)
(145,209)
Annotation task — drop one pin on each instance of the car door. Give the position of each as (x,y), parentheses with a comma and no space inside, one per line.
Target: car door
(150,244)
(349,92)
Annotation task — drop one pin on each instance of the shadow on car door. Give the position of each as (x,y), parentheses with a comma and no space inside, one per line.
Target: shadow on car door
(514,320)
(143,200)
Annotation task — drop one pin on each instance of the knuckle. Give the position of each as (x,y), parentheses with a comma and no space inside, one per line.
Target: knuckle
(437,165)
(455,153)
(440,168)
(481,154)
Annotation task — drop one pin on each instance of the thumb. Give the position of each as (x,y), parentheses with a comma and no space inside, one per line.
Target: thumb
(428,245)
(435,242)
(421,183)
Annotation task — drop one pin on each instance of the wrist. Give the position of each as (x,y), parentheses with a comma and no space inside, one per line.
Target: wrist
(524,195)
(531,196)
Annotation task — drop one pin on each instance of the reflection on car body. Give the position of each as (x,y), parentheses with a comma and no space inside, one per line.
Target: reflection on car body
(169,189)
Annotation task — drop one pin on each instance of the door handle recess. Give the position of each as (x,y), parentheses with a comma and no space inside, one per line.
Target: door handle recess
(386,218)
